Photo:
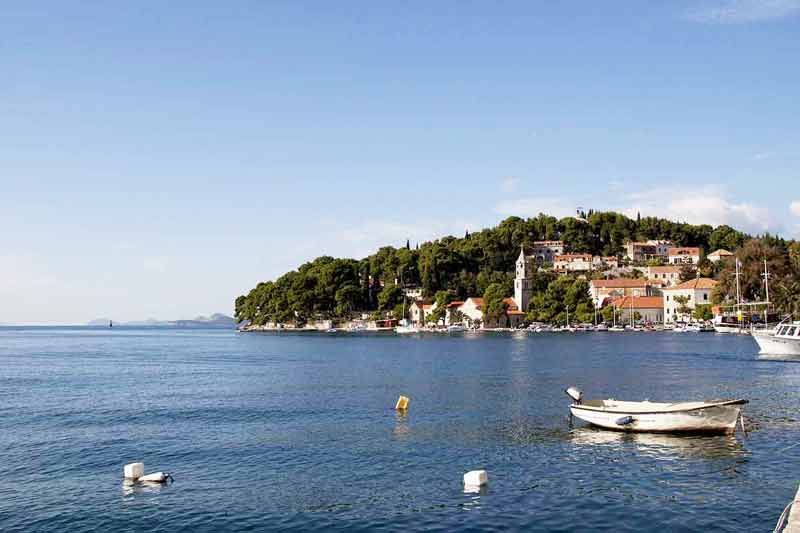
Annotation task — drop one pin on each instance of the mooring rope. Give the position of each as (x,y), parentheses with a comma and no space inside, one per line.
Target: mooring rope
(782,519)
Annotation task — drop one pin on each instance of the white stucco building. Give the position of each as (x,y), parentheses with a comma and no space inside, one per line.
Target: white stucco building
(697,291)
(546,251)
(687,255)
(670,274)
(719,255)
(572,263)
(600,289)
(650,308)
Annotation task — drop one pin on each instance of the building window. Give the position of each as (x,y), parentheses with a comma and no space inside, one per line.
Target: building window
(705,297)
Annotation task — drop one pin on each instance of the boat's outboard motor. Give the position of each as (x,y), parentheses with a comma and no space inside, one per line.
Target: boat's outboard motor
(575,394)
(625,420)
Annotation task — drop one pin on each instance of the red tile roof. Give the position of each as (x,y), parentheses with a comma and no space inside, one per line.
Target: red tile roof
(639,302)
(512,305)
(697,283)
(686,250)
(722,252)
(621,283)
(664,269)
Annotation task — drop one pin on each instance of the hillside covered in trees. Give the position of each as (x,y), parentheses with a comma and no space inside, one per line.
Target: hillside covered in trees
(453,268)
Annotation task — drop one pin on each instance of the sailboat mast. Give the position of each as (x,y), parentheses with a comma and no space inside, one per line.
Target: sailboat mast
(738,296)
(766,287)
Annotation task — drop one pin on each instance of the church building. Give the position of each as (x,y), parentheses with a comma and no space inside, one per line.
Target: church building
(523,284)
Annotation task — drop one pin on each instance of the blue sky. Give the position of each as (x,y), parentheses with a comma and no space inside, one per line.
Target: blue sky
(159,158)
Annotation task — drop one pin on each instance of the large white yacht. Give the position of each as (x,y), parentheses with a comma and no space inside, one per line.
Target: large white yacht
(783,340)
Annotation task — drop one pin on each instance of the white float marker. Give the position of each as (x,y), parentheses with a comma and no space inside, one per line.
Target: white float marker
(475,479)
(134,471)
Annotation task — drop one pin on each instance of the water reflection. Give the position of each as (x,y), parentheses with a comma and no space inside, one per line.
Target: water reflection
(779,357)
(521,431)
(661,445)
(401,429)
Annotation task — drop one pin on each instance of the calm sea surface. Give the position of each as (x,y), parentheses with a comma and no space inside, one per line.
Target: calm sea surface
(290,431)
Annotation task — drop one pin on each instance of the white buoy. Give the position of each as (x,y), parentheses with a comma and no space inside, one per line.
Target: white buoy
(134,471)
(156,477)
(476,478)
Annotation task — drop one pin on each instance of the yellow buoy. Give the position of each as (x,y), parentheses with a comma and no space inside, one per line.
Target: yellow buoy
(402,403)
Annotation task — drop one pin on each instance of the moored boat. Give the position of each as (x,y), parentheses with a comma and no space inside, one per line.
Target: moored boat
(783,340)
(713,416)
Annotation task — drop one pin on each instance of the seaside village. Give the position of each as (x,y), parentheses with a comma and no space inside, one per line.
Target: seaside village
(652,298)
(657,298)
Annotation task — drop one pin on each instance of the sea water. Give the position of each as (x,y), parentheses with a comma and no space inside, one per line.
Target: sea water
(298,431)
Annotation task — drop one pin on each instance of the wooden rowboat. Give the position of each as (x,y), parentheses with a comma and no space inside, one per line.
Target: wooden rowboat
(712,416)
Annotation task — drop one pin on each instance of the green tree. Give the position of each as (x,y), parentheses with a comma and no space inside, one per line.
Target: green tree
(688,272)
(456,316)
(702,312)
(608,313)
(494,306)
(400,312)
(726,238)
(348,299)
(683,308)
(751,257)
(705,268)
(389,297)
(438,315)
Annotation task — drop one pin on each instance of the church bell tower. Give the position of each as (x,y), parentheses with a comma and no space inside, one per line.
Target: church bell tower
(523,290)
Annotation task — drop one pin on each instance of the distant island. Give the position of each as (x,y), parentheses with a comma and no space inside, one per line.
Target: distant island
(217,320)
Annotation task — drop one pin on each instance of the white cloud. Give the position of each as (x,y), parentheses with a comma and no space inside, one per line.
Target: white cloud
(365,239)
(509,184)
(22,272)
(762,156)
(743,11)
(156,263)
(706,204)
(794,207)
(531,206)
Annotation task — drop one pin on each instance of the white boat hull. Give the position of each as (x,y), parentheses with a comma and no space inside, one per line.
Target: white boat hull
(770,344)
(726,328)
(717,418)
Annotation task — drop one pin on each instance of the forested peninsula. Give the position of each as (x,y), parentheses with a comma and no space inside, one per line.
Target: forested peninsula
(482,264)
